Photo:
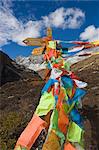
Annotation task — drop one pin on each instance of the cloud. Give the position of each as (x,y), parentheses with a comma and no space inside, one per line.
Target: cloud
(55,18)
(9,24)
(12,29)
(30,29)
(90,33)
(65,18)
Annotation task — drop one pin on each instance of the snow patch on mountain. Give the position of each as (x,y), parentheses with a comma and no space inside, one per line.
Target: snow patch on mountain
(37,63)
(31,62)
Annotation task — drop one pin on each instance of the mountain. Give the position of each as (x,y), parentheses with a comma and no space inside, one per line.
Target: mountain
(11,71)
(31,62)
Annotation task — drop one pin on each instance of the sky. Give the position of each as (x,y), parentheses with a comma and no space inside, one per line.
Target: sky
(69,20)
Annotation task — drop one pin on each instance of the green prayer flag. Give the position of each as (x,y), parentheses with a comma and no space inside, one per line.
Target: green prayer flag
(74,133)
(55,120)
(47,102)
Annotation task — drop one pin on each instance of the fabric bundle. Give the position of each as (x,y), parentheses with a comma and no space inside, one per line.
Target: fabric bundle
(58,108)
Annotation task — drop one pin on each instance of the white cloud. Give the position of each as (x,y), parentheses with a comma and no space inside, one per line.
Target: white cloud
(12,29)
(90,33)
(65,18)
(9,24)
(30,29)
(55,18)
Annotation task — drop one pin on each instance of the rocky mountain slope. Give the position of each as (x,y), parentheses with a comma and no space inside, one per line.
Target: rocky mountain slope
(19,96)
(88,71)
(19,99)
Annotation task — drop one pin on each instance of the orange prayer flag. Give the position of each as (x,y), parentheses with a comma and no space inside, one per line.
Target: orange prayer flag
(60,98)
(31,132)
(63,121)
